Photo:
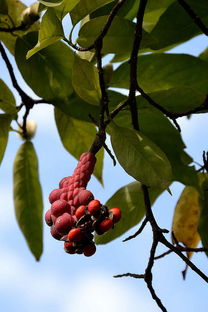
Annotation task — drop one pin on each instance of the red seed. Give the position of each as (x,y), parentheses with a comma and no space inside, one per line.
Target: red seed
(80,212)
(89,250)
(94,206)
(69,247)
(59,207)
(116,214)
(75,235)
(105,225)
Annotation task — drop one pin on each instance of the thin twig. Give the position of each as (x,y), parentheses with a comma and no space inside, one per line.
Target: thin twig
(129,274)
(196,19)
(158,106)
(148,272)
(22,26)
(22,94)
(135,122)
(163,254)
(165,242)
(109,153)
(27,101)
(139,231)
(181,248)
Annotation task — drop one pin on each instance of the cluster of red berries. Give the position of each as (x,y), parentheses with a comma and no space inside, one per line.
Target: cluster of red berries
(75,214)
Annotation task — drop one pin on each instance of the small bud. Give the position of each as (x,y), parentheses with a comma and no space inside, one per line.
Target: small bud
(30,15)
(31,127)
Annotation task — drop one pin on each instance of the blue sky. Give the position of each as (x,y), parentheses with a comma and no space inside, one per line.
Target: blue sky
(62,282)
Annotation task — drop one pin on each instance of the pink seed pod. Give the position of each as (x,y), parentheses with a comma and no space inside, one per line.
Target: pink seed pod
(55,234)
(48,219)
(85,197)
(55,195)
(59,207)
(66,179)
(64,223)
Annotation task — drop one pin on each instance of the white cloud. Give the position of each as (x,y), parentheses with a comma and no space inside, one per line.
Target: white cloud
(91,292)
(98,291)
(7,217)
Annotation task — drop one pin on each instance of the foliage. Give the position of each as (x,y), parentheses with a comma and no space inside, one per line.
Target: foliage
(170,85)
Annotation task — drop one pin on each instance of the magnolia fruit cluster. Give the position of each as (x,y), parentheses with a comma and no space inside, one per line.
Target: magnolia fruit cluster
(75,215)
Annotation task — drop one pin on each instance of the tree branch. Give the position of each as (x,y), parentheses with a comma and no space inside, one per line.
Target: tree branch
(27,101)
(22,26)
(137,232)
(101,135)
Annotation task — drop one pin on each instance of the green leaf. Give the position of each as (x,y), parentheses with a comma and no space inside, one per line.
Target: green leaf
(141,158)
(179,99)
(127,10)
(160,130)
(7,100)
(14,17)
(11,18)
(48,72)
(165,71)
(51,31)
(65,7)
(153,12)
(85,7)
(204,55)
(131,202)
(203,220)
(77,137)
(85,81)
(5,121)
(75,107)
(3,7)
(28,197)
(51,3)
(166,35)
(119,38)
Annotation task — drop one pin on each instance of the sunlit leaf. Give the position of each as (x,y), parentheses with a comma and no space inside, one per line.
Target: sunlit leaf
(203,219)
(50,32)
(28,197)
(186,217)
(85,81)
(7,100)
(65,7)
(51,3)
(162,71)
(119,38)
(140,157)
(161,131)
(5,121)
(84,7)
(51,67)
(166,35)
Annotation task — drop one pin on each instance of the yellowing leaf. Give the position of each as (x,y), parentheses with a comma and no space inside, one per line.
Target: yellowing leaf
(186,217)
